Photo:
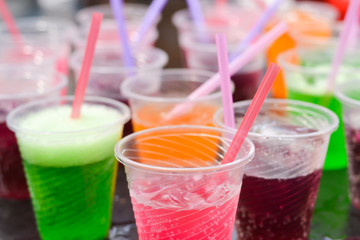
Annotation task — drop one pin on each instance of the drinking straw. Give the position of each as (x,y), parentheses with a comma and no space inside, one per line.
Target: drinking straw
(86,65)
(257,28)
(10,22)
(118,11)
(251,113)
(234,66)
(151,15)
(198,18)
(354,30)
(223,63)
(350,18)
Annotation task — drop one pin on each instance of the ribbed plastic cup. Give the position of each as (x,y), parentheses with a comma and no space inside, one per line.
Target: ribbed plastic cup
(349,96)
(306,73)
(183,192)
(70,170)
(152,95)
(280,185)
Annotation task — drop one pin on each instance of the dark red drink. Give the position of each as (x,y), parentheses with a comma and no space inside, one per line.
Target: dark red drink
(353,151)
(246,84)
(276,209)
(12,177)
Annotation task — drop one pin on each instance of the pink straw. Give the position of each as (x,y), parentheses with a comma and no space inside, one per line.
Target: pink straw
(235,65)
(251,113)
(86,65)
(10,22)
(350,18)
(223,63)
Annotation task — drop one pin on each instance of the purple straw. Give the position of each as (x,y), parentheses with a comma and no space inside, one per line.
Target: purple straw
(118,11)
(223,62)
(257,28)
(198,18)
(151,15)
(350,18)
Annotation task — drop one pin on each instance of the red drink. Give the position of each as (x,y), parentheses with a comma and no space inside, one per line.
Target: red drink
(12,177)
(276,209)
(246,84)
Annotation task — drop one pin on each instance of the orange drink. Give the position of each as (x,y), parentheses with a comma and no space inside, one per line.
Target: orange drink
(152,95)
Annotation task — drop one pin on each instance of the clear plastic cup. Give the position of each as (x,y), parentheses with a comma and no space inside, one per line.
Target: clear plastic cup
(133,12)
(280,185)
(108,35)
(182,191)
(69,164)
(349,96)
(306,73)
(45,43)
(108,71)
(152,95)
(203,55)
(230,19)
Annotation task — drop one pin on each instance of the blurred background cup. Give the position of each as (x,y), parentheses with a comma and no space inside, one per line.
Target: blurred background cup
(349,95)
(280,185)
(152,95)
(108,71)
(182,191)
(45,43)
(306,19)
(203,55)
(306,73)
(69,164)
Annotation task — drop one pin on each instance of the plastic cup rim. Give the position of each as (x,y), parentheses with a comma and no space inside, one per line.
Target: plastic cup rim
(343,98)
(160,61)
(128,93)
(308,70)
(125,115)
(63,83)
(149,168)
(332,126)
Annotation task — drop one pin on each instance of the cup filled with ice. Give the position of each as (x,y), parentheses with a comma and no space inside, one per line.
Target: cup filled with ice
(181,190)
(280,185)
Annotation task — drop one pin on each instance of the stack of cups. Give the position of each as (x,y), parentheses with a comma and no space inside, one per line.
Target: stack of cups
(199,48)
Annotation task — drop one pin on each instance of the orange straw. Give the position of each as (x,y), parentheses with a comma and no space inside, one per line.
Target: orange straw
(10,22)
(86,65)
(252,112)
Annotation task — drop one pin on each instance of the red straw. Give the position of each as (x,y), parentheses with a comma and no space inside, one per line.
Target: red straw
(10,22)
(86,65)
(251,113)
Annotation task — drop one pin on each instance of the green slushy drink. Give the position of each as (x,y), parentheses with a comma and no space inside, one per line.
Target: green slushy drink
(306,74)
(69,164)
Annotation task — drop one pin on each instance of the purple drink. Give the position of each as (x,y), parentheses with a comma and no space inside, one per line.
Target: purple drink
(353,150)
(280,185)
(246,84)
(276,209)
(12,177)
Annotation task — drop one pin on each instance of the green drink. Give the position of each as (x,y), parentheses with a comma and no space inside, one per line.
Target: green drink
(69,164)
(306,74)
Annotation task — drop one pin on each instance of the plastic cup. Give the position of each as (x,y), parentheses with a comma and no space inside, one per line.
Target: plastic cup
(69,164)
(133,13)
(19,87)
(108,35)
(108,71)
(203,55)
(306,19)
(280,185)
(196,198)
(306,73)
(349,96)
(152,95)
(45,43)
